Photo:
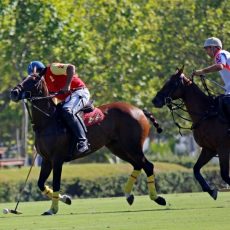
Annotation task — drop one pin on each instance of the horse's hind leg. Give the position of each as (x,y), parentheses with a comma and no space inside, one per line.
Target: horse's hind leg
(149,168)
(205,156)
(118,151)
(129,185)
(136,156)
(138,161)
(224,164)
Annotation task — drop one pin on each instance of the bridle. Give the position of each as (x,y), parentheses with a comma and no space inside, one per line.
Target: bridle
(173,107)
(176,84)
(26,96)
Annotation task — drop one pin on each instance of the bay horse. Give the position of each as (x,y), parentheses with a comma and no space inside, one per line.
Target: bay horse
(209,130)
(119,126)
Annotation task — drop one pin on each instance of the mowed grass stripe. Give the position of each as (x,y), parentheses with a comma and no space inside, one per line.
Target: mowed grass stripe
(190,211)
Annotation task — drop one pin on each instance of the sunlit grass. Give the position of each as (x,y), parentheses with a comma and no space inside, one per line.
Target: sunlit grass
(196,211)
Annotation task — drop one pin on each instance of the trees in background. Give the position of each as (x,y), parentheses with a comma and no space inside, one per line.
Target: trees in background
(124,50)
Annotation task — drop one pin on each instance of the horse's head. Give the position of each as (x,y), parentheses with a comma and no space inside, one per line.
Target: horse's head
(172,89)
(31,86)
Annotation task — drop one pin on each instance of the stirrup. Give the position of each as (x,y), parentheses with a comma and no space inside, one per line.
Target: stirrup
(82,147)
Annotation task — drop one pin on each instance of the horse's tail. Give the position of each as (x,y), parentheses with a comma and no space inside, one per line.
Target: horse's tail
(150,116)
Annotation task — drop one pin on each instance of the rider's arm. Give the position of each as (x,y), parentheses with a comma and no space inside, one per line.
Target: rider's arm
(209,69)
(64,69)
(70,71)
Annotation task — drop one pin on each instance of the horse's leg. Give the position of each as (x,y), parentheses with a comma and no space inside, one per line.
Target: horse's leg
(138,160)
(205,156)
(149,170)
(117,150)
(46,168)
(224,164)
(129,184)
(57,170)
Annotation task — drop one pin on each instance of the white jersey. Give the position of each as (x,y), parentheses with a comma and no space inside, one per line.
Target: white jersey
(223,57)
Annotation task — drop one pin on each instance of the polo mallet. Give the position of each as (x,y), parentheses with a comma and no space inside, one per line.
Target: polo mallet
(14,211)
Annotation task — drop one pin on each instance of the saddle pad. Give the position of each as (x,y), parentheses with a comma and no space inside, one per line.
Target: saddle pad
(93,117)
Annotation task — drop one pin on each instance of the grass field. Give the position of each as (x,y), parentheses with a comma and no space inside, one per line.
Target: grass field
(196,211)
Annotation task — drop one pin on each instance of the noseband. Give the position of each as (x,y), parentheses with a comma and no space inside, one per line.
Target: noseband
(24,94)
(180,81)
(174,86)
(27,95)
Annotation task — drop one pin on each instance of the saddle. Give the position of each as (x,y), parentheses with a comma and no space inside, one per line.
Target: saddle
(89,107)
(90,114)
(223,111)
(216,109)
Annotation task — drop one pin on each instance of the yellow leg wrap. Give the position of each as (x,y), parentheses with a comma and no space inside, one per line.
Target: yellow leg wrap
(151,187)
(55,200)
(48,192)
(132,179)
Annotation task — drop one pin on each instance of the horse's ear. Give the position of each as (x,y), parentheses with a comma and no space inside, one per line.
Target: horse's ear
(180,71)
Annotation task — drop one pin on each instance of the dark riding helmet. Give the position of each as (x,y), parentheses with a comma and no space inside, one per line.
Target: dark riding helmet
(39,66)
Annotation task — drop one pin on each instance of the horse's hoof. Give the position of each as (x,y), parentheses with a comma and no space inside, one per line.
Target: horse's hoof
(213,193)
(66,199)
(160,200)
(130,199)
(47,213)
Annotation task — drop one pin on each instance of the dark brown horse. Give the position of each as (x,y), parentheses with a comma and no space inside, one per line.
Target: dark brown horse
(210,132)
(123,131)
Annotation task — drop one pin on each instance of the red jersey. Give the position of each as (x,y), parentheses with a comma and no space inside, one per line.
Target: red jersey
(55,78)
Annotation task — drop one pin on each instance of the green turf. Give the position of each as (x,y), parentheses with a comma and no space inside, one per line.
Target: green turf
(195,211)
(84,171)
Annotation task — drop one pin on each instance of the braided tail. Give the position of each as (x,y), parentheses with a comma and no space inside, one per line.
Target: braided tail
(153,120)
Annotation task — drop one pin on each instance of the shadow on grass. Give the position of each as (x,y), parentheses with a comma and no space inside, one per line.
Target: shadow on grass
(170,208)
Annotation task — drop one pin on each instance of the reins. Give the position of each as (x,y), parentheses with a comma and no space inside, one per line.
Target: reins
(32,99)
(179,106)
(25,101)
(202,77)
(173,107)
(45,97)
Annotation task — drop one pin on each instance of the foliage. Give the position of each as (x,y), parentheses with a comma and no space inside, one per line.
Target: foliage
(124,50)
(161,152)
(83,171)
(160,148)
(103,180)
(112,186)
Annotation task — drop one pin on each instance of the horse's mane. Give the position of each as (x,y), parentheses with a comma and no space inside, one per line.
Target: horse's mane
(197,89)
(45,92)
(44,87)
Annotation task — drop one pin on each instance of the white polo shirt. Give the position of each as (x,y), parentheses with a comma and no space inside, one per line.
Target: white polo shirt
(223,57)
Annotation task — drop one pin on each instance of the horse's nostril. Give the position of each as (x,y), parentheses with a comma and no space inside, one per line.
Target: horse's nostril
(157,102)
(14,94)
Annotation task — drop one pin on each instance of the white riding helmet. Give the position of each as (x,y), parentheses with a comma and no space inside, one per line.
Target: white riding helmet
(213,42)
